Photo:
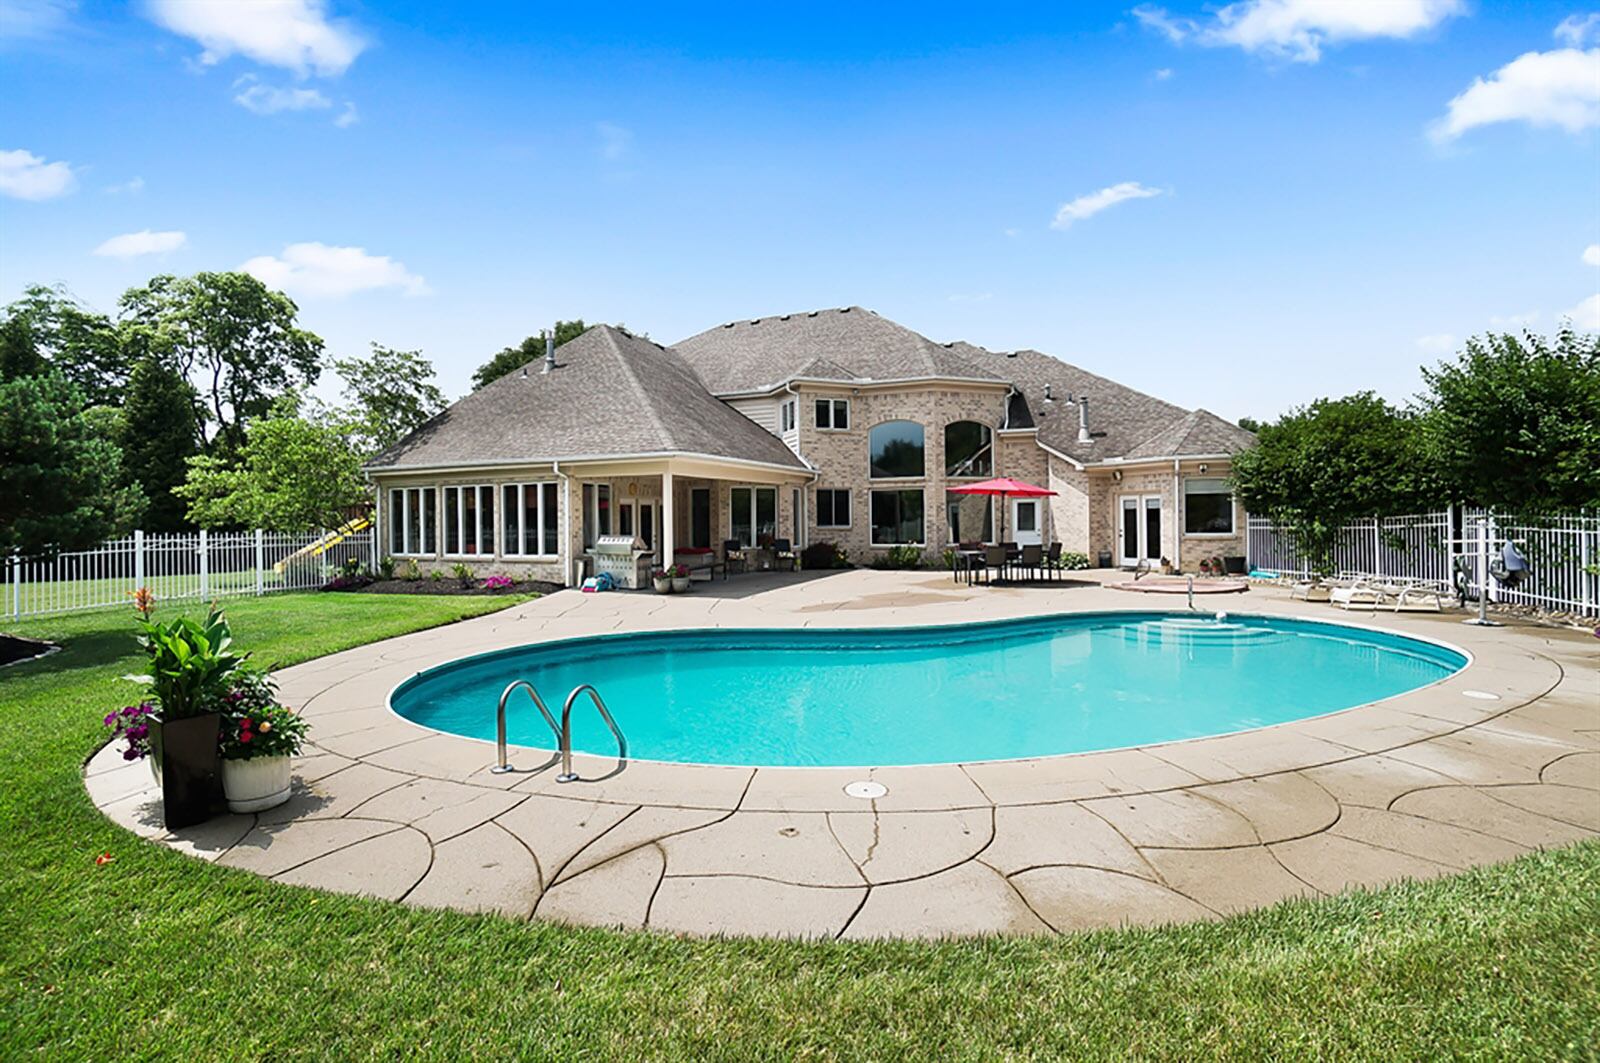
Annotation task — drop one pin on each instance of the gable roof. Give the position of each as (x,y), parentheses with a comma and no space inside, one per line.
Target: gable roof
(613,395)
(1201,432)
(849,345)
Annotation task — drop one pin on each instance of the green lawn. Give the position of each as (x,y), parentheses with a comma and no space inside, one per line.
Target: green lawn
(157,955)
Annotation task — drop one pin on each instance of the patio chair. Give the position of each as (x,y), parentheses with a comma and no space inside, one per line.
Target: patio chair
(733,556)
(1032,560)
(783,554)
(1053,561)
(1359,595)
(994,557)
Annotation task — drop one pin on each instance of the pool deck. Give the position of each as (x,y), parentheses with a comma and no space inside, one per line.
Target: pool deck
(1424,784)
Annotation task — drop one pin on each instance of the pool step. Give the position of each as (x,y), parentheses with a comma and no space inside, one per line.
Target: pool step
(1200,630)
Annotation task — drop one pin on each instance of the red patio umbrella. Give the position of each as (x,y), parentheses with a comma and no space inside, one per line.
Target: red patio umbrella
(1005,487)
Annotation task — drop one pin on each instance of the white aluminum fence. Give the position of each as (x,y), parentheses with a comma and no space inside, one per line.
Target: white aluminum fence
(195,566)
(1562,550)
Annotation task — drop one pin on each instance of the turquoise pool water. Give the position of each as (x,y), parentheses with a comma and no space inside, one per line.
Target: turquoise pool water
(991,691)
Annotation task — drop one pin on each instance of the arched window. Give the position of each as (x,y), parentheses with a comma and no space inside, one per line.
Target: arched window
(896,449)
(968,449)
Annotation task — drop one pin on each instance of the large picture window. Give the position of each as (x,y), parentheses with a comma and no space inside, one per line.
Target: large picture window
(971,518)
(833,507)
(468,519)
(896,449)
(529,519)
(968,449)
(1207,506)
(411,521)
(754,514)
(897,518)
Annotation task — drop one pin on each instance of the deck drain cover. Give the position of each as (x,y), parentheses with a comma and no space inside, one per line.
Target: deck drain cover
(866,789)
(1481,695)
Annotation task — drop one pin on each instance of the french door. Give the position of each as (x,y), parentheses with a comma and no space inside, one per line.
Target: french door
(1140,531)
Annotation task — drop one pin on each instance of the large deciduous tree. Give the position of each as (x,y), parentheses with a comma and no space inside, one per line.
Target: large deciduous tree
(1322,466)
(80,343)
(294,473)
(157,436)
(230,334)
(390,392)
(59,473)
(1515,423)
(531,349)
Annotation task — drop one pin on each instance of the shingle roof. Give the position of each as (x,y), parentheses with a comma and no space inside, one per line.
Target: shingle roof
(612,395)
(850,344)
(1201,432)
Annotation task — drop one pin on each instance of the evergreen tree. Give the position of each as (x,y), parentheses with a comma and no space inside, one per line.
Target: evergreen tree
(158,437)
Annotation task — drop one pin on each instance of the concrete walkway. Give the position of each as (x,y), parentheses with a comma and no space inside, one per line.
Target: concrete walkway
(1498,760)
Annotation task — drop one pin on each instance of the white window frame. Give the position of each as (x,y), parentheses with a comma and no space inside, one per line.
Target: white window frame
(834,406)
(1233,517)
(493,491)
(755,530)
(850,504)
(412,497)
(538,487)
(788,416)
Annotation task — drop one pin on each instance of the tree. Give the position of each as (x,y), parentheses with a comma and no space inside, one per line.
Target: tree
(82,344)
(391,392)
(1250,424)
(58,472)
(294,473)
(157,437)
(1320,467)
(230,333)
(19,354)
(529,350)
(1516,423)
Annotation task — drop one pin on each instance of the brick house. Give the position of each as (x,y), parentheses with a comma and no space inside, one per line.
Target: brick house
(833,425)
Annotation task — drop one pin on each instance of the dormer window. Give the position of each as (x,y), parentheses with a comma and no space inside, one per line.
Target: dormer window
(788,415)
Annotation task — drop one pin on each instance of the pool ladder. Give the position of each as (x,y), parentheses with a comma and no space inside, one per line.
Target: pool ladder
(562,730)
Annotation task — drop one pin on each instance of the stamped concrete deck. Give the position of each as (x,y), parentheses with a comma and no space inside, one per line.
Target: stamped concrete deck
(1420,785)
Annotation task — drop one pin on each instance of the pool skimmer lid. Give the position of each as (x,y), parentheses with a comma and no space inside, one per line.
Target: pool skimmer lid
(866,789)
(1481,695)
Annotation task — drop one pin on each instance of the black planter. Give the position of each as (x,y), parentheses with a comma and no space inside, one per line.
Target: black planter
(1234,565)
(189,768)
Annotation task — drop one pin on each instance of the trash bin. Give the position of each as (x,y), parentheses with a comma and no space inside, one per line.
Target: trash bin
(1104,559)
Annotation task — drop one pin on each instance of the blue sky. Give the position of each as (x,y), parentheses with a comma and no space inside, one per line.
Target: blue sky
(1240,208)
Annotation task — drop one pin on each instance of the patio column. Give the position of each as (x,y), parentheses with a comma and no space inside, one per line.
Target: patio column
(668,520)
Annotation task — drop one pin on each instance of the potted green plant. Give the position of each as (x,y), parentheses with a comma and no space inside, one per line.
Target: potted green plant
(680,578)
(662,580)
(190,663)
(259,737)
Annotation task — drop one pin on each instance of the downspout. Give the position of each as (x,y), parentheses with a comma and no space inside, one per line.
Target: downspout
(566,507)
(794,518)
(1177,527)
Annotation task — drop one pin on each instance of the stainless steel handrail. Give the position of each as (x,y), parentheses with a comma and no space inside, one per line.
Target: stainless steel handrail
(501,767)
(565,733)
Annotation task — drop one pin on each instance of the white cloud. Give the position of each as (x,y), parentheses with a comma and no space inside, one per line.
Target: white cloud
(1586,315)
(615,141)
(1577,30)
(269,99)
(34,20)
(1087,206)
(131,187)
(1437,343)
(1591,255)
(1164,74)
(347,117)
(317,269)
(1559,88)
(1514,320)
(1298,29)
(24,175)
(296,35)
(143,242)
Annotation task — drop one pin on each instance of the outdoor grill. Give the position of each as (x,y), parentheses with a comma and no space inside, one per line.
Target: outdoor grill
(623,556)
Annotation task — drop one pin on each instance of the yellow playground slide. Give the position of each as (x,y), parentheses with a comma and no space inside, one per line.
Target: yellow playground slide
(327,542)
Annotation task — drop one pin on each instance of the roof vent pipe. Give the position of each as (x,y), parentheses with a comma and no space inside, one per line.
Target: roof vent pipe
(1083,419)
(1047,396)
(550,351)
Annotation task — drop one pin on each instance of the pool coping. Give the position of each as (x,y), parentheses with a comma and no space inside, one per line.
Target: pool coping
(1422,783)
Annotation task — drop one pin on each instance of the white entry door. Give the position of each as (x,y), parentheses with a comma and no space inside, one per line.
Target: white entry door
(1025,522)
(1140,530)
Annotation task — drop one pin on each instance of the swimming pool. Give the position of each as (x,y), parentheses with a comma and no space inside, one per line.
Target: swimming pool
(928,695)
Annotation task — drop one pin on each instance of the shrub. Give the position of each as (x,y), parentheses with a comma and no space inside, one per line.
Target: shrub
(412,571)
(823,555)
(497,583)
(1072,562)
(899,557)
(462,573)
(386,568)
(436,576)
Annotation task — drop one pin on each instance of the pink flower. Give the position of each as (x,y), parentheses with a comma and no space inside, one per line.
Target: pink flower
(245,736)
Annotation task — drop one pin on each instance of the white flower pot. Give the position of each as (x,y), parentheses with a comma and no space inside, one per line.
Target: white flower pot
(663,586)
(256,784)
(680,584)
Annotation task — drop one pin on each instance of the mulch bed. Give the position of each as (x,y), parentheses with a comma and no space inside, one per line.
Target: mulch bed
(14,649)
(449,585)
